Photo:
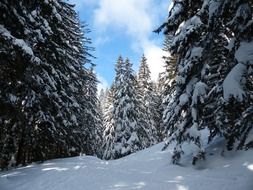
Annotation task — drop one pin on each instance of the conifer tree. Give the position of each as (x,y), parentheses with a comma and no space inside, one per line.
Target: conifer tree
(109,114)
(167,82)
(108,124)
(123,133)
(93,116)
(42,81)
(203,98)
(102,98)
(149,99)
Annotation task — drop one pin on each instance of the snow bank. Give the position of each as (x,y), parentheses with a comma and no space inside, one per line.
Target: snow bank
(149,169)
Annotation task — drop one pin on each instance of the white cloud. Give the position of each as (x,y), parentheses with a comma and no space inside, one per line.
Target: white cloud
(129,15)
(136,18)
(102,84)
(154,56)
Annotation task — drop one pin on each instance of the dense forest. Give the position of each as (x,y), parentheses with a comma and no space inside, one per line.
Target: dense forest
(50,106)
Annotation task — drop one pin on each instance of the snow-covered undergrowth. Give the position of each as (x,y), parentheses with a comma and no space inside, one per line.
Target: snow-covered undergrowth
(149,169)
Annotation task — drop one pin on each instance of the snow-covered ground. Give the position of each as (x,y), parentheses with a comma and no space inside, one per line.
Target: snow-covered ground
(149,169)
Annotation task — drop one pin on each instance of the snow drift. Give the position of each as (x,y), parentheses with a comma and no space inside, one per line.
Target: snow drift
(149,169)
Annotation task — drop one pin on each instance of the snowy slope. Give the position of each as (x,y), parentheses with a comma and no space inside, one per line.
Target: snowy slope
(149,169)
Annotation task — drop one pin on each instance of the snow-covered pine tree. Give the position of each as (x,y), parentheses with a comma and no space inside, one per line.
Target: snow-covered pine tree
(109,115)
(181,117)
(149,100)
(158,114)
(124,132)
(161,133)
(42,77)
(226,104)
(142,136)
(167,78)
(102,97)
(214,72)
(108,124)
(93,116)
(237,86)
(196,41)
(166,82)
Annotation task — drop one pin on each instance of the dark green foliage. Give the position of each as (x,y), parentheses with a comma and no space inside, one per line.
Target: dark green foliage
(42,81)
(209,38)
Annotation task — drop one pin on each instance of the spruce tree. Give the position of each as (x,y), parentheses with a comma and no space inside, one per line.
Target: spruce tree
(93,116)
(42,81)
(123,133)
(108,124)
(149,99)
(166,83)
(203,98)
(109,114)
(102,97)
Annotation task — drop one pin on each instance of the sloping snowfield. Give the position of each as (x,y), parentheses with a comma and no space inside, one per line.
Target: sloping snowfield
(149,169)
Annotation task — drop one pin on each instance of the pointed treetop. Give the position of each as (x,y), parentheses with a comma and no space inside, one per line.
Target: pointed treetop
(128,63)
(144,72)
(119,64)
(143,58)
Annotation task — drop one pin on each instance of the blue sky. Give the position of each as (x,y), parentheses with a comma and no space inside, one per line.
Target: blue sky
(124,27)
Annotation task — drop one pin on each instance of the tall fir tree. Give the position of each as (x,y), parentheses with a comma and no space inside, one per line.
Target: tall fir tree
(109,115)
(42,53)
(149,99)
(199,30)
(93,116)
(166,83)
(108,124)
(102,98)
(123,133)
